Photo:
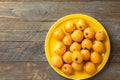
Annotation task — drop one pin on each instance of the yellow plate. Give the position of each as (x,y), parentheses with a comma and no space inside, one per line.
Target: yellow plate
(50,42)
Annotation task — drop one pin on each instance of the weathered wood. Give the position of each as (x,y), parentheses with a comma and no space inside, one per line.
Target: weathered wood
(22,35)
(37,31)
(22,51)
(45,11)
(24,31)
(27,71)
(52,0)
(42,71)
(25,23)
(110,71)
(34,51)
(25,26)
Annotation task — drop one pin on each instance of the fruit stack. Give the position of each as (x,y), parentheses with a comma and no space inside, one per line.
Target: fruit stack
(78,47)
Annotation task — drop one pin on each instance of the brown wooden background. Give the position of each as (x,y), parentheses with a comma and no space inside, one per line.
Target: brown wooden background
(25,23)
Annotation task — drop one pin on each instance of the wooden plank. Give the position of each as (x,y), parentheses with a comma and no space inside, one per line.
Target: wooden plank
(25,26)
(114,58)
(22,35)
(34,51)
(45,11)
(27,71)
(111,26)
(51,0)
(43,71)
(21,31)
(110,71)
(25,23)
(24,31)
(37,31)
(22,51)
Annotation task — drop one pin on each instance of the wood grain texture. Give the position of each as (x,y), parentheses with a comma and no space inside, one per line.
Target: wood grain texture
(51,0)
(45,11)
(27,71)
(34,51)
(24,31)
(25,23)
(42,71)
(37,31)
(22,51)
(24,41)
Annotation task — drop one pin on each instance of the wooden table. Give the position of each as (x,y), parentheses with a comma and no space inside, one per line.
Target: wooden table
(25,23)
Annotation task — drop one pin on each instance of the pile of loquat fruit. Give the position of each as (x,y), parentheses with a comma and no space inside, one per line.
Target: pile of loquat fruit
(80,49)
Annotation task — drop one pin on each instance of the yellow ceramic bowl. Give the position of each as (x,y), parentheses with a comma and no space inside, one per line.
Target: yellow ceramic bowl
(50,42)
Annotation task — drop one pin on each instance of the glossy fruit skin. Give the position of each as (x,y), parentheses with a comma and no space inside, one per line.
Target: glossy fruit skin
(89,68)
(58,34)
(77,57)
(89,33)
(57,61)
(81,24)
(98,47)
(71,37)
(77,36)
(86,54)
(100,35)
(69,27)
(67,57)
(60,48)
(67,40)
(86,44)
(96,57)
(75,47)
(77,67)
(67,69)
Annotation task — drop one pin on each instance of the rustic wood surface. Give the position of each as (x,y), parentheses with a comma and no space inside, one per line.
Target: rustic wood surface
(25,23)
